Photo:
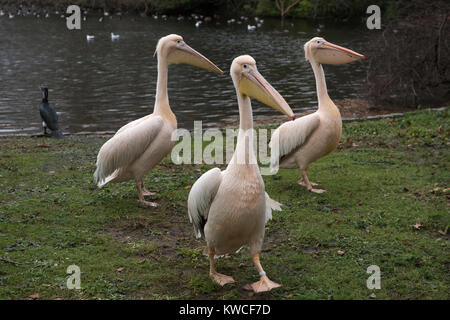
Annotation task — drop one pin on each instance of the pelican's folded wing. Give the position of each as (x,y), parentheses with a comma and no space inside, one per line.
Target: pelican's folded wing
(200,198)
(291,135)
(133,123)
(126,146)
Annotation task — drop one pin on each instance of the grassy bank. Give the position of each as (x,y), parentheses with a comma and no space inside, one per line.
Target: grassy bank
(387,204)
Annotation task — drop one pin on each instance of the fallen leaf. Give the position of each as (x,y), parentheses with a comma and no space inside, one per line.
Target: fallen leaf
(442,232)
(340,252)
(367,230)
(435,190)
(35,296)
(439,129)
(43,146)
(349,143)
(417,226)
(359,203)
(288,295)
(188,186)
(142,260)
(119,279)
(120,269)
(316,255)
(372,296)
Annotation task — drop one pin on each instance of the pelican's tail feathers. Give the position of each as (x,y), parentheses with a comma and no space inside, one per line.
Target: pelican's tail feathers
(102,181)
(271,205)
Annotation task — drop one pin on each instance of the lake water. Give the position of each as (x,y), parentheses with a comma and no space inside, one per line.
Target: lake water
(101,85)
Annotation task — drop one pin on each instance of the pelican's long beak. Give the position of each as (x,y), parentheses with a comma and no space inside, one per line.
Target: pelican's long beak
(185,54)
(330,53)
(254,85)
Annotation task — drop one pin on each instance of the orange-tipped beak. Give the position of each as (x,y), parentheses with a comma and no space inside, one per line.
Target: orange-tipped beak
(186,55)
(330,53)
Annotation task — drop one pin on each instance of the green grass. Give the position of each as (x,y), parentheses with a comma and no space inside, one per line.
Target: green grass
(52,216)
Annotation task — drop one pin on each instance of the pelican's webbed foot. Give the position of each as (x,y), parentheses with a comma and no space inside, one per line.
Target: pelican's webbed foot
(318,191)
(148,203)
(303,183)
(221,279)
(263,285)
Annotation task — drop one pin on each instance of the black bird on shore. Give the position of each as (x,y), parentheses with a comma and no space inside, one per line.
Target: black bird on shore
(49,116)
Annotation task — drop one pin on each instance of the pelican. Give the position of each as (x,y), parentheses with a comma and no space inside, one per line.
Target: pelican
(49,116)
(141,144)
(229,208)
(90,37)
(313,136)
(114,36)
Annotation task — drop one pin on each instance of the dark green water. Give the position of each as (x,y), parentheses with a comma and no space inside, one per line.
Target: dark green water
(103,84)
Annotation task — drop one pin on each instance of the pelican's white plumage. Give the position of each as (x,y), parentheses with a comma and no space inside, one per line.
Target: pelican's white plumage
(291,135)
(230,208)
(141,144)
(127,145)
(200,198)
(313,136)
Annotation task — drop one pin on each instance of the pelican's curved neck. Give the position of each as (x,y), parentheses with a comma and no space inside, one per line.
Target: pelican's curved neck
(244,153)
(321,85)
(245,111)
(162,98)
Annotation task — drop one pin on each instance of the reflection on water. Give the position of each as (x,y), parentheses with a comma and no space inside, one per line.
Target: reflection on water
(102,84)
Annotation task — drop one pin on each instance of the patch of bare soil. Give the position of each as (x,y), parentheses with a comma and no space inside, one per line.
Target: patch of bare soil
(161,230)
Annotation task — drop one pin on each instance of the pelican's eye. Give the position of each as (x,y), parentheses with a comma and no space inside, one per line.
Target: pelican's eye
(245,66)
(318,41)
(178,41)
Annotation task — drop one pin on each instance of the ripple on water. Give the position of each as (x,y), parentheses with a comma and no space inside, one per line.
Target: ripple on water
(104,84)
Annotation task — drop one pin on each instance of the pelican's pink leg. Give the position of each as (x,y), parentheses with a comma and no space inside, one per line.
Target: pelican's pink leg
(215,276)
(264,284)
(145,192)
(305,182)
(141,196)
